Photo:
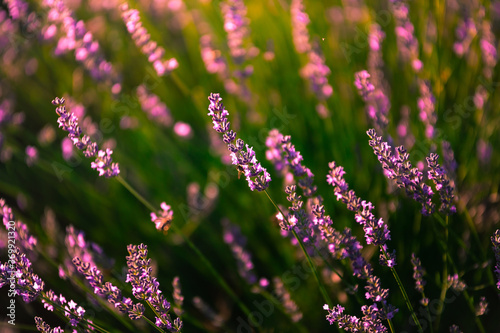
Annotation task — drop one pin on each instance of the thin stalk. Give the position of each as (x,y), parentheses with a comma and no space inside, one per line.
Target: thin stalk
(403,291)
(204,259)
(313,268)
(444,286)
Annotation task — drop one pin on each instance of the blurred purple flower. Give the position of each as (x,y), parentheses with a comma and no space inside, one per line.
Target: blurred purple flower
(69,122)
(300,20)
(143,41)
(163,220)
(31,155)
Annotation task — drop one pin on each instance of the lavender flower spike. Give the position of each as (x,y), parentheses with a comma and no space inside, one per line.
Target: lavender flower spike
(399,168)
(443,185)
(257,177)
(69,122)
(146,287)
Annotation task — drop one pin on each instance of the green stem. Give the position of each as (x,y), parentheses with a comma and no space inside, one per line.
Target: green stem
(403,291)
(204,259)
(444,286)
(313,268)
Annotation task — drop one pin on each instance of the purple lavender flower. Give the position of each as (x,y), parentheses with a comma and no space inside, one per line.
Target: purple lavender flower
(495,239)
(45,328)
(156,110)
(177,296)
(17,271)
(455,283)
(76,38)
(257,177)
(369,323)
(24,240)
(237,241)
(141,38)
(212,58)
(316,72)
(69,122)
(376,231)
(440,179)
(300,20)
(426,104)
(236,26)
(72,310)
(399,168)
(289,305)
(405,34)
(465,33)
(377,103)
(105,289)
(163,220)
(418,273)
(146,287)
(488,48)
(482,307)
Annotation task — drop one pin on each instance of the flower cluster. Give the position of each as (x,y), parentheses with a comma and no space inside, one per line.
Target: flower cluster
(17,272)
(143,41)
(300,20)
(377,103)
(77,38)
(237,241)
(24,239)
(177,296)
(426,104)
(418,273)
(399,168)
(257,177)
(163,220)
(146,287)
(236,26)
(156,110)
(316,72)
(443,185)
(376,231)
(72,310)
(69,122)
(105,289)
(43,327)
(369,323)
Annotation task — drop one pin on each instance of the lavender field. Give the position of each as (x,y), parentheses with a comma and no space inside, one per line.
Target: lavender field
(249,166)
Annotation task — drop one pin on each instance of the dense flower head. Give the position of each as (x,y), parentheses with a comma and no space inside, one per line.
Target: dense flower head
(18,273)
(455,283)
(439,176)
(72,310)
(376,231)
(426,104)
(145,287)
(105,289)
(288,303)
(43,327)
(143,41)
(257,177)
(399,169)
(418,273)
(69,122)
(370,322)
